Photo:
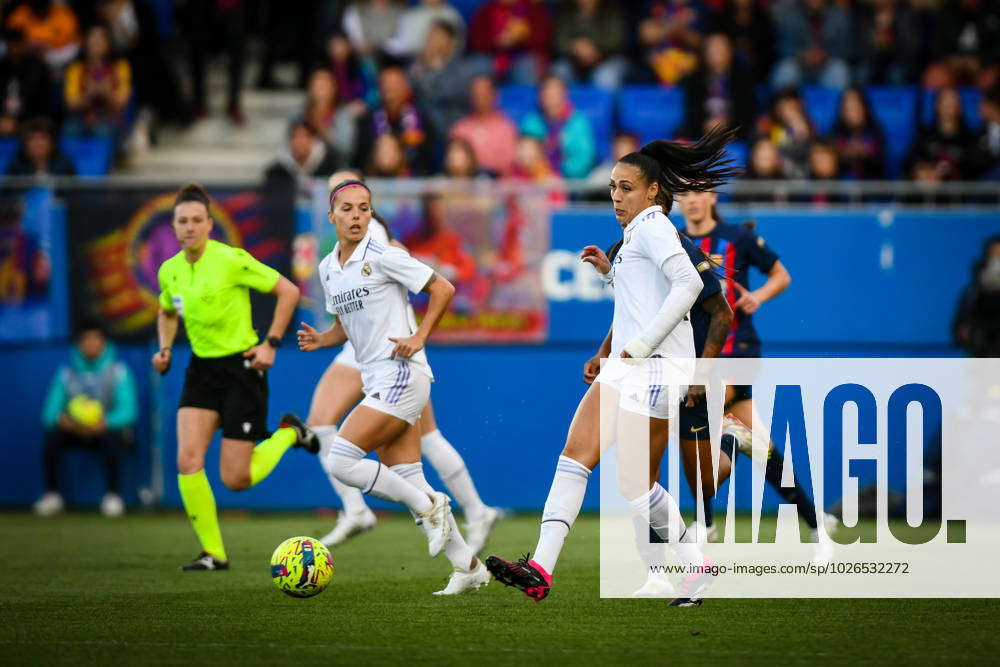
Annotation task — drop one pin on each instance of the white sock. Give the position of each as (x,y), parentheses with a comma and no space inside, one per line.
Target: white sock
(348,463)
(561,509)
(665,518)
(351,498)
(459,553)
(451,468)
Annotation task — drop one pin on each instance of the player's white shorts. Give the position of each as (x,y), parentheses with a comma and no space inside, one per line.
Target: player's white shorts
(346,356)
(397,388)
(644,386)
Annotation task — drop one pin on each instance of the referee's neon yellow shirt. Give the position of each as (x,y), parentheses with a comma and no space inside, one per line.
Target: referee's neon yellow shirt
(212,296)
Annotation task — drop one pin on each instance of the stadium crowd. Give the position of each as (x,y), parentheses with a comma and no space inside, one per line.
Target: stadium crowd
(526,89)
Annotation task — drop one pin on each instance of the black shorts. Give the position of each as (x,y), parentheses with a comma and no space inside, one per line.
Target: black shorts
(229,386)
(694,421)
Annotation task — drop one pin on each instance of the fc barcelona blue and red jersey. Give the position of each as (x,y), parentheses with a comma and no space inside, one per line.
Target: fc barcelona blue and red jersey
(736,248)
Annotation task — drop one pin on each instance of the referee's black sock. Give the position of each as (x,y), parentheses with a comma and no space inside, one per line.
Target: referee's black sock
(792,494)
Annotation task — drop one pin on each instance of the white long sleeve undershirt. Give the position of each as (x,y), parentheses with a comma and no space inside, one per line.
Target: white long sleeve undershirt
(685,286)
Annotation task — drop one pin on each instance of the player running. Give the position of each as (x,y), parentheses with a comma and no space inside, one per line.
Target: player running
(711,317)
(340,388)
(735,248)
(655,287)
(208,284)
(365,284)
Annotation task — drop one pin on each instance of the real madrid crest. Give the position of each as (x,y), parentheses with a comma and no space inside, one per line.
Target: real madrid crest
(366,269)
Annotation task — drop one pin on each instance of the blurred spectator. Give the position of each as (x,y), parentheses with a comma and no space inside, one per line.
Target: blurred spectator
(50,27)
(439,246)
(25,84)
(371,24)
(823,166)
(441,78)
(888,42)
(858,137)
(966,44)
(98,88)
(719,92)
(765,161)
(751,30)
(986,157)
(135,37)
(531,163)
(669,33)
(388,159)
(622,144)
(416,22)
(210,23)
(91,404)
(460,160)
(947,145)
(976,326)
(564,132)
(398,115)
(515,35)
(814,44)
(306,157)
(334,121)
(356,77)
(39,155)
(789,127)
(590,43)
(492,135)
(290,34)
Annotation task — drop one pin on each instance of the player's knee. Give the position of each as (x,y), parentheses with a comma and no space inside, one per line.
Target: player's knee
(236,480)
(188,464)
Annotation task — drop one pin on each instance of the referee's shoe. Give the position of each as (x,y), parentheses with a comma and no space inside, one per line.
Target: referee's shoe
(307,438)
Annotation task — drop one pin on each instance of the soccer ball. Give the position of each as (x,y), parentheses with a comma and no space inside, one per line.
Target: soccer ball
(301,567)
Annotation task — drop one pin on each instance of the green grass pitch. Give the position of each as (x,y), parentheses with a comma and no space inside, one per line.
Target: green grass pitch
(81,589)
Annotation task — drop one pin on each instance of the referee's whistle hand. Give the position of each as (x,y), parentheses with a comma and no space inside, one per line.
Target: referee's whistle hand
(261,357)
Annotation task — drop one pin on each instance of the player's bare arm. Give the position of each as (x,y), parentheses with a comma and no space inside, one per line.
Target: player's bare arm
(440,291)
(718,330)
(310,339)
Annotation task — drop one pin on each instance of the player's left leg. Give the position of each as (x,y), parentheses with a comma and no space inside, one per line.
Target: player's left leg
(745,415)
(403,458)
(451,468)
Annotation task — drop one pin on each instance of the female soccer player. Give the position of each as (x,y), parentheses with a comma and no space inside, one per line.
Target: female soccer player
(207,284)
(340,388)
(711,317)
(736,248)
(655,286)
(365,284)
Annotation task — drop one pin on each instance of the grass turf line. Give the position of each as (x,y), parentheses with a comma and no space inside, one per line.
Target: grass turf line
(80,589)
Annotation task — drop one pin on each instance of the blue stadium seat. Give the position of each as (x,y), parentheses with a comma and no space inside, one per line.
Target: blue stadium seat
(8,148)
(90,155)
(970,107)
(518,101)
(651,112)
(598,106)
(822,105)
(895,107)
(739,152)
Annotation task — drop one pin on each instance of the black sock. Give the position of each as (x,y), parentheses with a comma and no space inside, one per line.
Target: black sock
(792,494)
(706,504)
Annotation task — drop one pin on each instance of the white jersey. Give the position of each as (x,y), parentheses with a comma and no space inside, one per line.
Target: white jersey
(641,288)
(369,297)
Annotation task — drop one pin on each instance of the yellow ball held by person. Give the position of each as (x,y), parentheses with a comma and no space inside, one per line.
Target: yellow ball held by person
(301,567)
(85,411)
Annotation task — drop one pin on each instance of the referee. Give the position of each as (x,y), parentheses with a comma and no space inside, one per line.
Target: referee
(207,283)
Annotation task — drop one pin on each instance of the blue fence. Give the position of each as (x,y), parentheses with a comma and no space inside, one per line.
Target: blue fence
(876,282)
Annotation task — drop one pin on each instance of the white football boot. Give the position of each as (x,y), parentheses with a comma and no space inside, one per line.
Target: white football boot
(823,552)
(49,504)
(348,526)
(698,533)
(435,522)
(477,532)
(463,581)
(657,586)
